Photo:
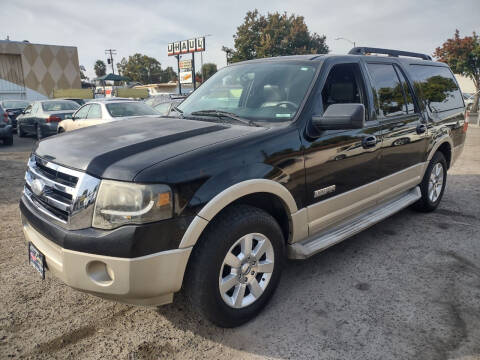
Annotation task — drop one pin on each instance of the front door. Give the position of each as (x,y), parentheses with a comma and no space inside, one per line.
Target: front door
(341,165)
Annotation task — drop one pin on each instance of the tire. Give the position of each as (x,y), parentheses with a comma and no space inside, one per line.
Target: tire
(208,268)
(8,141)
(433,184)
(60,130)
(20,132)
(38,132)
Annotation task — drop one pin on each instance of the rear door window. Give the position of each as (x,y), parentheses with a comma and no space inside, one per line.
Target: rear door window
(387,90)
(437,87)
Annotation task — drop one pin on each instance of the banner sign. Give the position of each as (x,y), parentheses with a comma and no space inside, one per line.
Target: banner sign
(186,77)
(186,46)
(185,64)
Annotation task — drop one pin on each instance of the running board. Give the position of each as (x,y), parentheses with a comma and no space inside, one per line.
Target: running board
(325,239)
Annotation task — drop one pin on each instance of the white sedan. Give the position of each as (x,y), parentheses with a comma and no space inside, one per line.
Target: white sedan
(102,111)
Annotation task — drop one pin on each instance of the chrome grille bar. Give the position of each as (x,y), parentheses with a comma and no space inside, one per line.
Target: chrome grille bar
(46,190)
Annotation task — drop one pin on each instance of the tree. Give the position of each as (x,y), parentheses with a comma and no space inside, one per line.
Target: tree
(145,69)
(463,57)
(274,35)
(82,73)
(208,69)
(100,68)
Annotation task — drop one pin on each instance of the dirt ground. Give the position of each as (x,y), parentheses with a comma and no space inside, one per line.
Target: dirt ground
(407,288)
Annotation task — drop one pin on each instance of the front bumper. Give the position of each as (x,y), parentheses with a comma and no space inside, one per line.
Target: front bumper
(146,280)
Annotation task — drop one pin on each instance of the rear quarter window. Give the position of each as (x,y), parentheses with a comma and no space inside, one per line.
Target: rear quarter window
(437,87)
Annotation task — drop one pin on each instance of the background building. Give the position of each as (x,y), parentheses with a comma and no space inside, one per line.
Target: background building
(33,71)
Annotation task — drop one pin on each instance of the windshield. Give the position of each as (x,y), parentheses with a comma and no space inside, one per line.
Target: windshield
(267,91)
(122,109)
(13,104)
(59,105)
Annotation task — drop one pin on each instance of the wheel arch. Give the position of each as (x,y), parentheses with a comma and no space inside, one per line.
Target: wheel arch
(445,146)
(266,194)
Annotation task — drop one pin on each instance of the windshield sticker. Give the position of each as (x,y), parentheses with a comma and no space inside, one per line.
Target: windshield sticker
(283,115)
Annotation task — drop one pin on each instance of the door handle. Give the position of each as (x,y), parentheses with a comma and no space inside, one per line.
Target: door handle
(369,142)
(421,128)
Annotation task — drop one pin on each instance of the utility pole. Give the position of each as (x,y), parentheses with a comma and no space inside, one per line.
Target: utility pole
(111,52)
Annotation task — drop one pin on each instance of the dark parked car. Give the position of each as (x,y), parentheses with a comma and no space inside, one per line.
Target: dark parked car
(14,108)
(41,118)
(6,128)
(270,158)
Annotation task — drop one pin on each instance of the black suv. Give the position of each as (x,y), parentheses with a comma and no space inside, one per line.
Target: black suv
(269,159)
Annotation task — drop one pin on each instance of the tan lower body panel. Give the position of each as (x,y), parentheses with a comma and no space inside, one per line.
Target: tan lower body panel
(341,207)
(146,280)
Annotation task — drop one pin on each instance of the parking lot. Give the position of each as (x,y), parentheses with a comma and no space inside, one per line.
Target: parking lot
(407,288)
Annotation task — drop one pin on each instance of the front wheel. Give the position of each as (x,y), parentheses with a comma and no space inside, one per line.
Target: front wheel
(8,141)
(433,184)
(236,266)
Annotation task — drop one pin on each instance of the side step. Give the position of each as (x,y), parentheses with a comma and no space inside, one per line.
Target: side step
(325,239)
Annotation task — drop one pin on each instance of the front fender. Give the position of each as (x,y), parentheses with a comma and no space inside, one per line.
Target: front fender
(234,176)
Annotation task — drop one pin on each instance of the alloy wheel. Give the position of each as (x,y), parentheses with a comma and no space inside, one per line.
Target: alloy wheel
(435,183)
(246,270)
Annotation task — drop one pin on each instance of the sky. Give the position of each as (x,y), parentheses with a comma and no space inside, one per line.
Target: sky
(147,26)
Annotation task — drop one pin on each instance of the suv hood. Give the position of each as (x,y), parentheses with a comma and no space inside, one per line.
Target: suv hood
(120,149)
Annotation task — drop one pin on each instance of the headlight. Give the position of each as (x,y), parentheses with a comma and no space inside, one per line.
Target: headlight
(119,203)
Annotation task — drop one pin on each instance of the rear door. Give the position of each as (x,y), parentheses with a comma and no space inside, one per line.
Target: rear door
(404,130)
(341,166)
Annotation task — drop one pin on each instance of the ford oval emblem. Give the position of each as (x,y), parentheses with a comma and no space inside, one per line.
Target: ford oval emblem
(37,187)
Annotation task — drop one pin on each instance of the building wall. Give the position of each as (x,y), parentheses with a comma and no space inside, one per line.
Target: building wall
(466,84)
(33,71)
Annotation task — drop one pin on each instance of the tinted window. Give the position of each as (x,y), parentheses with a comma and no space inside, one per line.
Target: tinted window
(341,86)
(15,104)
(266,91)
(59,105)
(406,91)
(82,113)
(95,112)
(437,87)
(387,90)
(122,109)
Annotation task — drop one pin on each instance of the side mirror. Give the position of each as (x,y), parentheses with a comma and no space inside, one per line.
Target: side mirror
(341,117)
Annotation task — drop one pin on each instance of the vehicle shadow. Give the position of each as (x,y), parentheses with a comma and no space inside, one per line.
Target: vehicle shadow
(392,291)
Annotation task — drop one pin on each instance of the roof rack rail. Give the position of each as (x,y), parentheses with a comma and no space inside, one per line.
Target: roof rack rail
(396,53)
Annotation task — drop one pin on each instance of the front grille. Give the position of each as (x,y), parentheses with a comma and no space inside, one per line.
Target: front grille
(64,195)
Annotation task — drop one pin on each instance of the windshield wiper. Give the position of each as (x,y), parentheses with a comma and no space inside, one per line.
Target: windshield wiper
(223,114)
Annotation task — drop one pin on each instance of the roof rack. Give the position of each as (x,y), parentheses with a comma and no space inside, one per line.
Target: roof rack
(396,53)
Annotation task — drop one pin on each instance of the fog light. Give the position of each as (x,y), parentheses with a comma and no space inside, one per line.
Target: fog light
(100,273)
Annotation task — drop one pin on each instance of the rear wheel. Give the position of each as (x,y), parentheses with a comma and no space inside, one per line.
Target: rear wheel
(433,184)
(60,130)
(39,132)
(236,266)
(20,132)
